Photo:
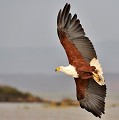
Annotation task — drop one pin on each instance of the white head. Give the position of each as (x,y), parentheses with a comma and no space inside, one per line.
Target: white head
(70,70)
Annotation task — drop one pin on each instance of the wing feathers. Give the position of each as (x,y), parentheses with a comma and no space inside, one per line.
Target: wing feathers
(94,98)
(85,47)
(68,21)
(59,19)
(75,33)
(72,22)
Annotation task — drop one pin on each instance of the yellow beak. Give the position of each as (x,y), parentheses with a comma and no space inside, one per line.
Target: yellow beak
(57,69)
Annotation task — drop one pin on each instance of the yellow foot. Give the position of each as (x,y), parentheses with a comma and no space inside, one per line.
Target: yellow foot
(96,77)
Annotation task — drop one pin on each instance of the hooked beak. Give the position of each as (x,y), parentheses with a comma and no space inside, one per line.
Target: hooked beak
(57,69)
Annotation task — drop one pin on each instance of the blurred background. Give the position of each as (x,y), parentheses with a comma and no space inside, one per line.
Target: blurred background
(30,49)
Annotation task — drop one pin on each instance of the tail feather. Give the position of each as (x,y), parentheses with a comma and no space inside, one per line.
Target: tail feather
(98,77)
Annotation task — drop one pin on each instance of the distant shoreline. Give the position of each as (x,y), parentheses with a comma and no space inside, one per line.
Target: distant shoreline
(10,94)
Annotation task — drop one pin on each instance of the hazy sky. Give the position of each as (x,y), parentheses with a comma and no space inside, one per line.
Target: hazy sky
(28,36)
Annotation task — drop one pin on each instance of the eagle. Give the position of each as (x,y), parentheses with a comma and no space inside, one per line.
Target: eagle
(84,65)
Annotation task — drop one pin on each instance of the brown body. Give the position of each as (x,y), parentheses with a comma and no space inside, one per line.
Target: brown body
(80,52)
(75,58)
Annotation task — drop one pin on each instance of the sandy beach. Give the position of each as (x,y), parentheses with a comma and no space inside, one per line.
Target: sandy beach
(36,111)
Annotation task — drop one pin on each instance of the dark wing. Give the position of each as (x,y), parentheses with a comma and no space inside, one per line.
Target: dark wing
(72,29)
(91,96)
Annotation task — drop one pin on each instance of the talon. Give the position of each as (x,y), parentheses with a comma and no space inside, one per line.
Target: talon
(96,76)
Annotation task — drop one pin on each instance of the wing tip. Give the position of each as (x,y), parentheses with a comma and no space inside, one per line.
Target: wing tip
(94,100)
(62,14)
(97,111)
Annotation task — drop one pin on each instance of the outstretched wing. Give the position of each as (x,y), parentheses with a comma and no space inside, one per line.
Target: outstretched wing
(91,96)
(77,46)
(70,28)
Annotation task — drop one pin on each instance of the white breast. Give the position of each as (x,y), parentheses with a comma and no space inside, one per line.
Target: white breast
(70,70)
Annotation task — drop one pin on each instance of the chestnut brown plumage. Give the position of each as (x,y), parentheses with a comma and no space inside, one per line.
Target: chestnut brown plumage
(80,52)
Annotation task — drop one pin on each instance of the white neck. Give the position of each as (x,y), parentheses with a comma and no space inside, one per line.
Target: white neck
(70,70)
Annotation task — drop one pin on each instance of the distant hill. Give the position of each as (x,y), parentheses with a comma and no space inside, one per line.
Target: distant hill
(10,94)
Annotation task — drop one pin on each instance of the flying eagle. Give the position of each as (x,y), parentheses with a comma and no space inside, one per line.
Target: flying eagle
(83,66)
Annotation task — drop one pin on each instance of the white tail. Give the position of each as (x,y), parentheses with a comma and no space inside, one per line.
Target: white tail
(99,76)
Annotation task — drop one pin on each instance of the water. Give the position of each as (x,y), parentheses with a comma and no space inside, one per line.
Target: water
(56,86)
